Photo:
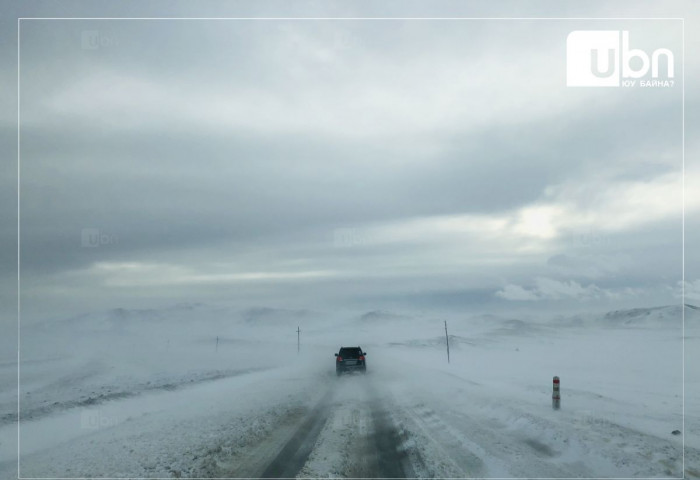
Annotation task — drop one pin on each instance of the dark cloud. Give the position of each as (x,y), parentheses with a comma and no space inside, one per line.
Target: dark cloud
(406,161)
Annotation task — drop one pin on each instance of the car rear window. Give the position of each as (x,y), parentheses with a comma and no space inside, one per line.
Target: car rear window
(350,352)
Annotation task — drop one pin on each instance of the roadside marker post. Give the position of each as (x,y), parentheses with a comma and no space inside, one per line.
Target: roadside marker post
(556,395)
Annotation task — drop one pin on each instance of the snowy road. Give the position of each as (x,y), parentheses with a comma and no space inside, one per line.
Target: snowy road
(349,432)
(382,425)
(282,423)
(487,414)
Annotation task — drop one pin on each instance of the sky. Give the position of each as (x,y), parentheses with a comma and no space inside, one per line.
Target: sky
(414,165)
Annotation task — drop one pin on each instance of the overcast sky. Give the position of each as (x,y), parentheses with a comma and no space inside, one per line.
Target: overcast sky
(417,165)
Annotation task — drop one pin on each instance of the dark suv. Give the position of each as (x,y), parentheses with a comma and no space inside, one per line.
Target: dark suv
(350,359)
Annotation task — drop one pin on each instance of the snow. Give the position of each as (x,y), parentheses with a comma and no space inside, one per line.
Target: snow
(149,393)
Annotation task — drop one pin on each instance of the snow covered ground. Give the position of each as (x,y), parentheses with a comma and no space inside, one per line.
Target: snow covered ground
(151,393)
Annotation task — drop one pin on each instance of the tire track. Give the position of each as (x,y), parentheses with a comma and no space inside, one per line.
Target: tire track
(382,452)
(392,460)
(291,459)
(361,441)
(350,432)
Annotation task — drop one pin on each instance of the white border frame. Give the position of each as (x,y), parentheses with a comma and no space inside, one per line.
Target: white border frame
(681,19)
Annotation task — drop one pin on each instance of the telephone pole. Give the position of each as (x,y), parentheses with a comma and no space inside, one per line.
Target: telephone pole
(447,342)
(298,339)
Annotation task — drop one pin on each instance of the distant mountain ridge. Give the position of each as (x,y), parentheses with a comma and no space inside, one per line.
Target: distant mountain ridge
(191,315)
(270,315)
(650,316)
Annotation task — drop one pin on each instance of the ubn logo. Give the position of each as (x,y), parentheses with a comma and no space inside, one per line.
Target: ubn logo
(602,58)
(94,237)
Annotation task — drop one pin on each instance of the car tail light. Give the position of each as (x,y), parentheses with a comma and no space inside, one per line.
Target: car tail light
(362,358)
(340,359)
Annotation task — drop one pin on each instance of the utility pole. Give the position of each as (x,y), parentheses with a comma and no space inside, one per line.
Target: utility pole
(447,342)
(298,339)
(217,344)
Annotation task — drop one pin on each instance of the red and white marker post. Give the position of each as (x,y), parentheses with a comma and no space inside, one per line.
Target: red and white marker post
(556,396)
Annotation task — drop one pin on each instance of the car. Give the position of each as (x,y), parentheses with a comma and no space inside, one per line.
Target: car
(350,359)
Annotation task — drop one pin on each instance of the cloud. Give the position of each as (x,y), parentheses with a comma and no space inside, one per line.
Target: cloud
(373,158)
(516,292)
(550,289)
(554,289)
(692,290)
(587,265)
(136,274)
(292,79)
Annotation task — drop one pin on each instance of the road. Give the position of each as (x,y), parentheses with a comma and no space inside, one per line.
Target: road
(350,432)
(393,422)
(385,426)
